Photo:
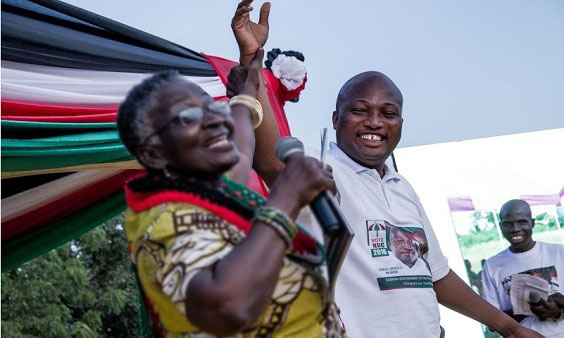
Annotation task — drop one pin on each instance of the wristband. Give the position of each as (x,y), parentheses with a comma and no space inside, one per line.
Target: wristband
(279,221)
(252,104)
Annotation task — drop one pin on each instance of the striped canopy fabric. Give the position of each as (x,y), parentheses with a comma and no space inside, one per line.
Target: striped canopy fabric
(64,73)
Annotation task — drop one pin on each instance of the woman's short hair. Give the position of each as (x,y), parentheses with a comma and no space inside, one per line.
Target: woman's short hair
(132,119)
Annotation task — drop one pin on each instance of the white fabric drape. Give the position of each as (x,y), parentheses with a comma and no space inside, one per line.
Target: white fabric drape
(46,84)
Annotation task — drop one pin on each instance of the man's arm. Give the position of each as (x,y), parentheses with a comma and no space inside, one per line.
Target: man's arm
(250,36)
(453,293)
(265,162)
(244,135)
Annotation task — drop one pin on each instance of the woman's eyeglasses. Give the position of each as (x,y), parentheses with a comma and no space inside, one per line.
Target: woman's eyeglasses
(191,115)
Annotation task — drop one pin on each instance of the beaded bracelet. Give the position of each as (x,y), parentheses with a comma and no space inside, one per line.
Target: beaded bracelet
(253,104)
(279,221)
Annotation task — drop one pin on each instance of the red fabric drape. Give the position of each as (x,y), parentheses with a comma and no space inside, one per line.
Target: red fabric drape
(65,206)
(38,112)
(19,108)
(222,67)
(111,117)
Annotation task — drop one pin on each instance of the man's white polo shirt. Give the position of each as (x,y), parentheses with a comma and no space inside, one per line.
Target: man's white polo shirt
(379,296)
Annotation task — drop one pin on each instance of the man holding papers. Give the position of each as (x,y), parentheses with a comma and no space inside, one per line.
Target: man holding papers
(543,263)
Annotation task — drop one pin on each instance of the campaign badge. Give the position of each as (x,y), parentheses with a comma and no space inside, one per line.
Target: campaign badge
(376,238)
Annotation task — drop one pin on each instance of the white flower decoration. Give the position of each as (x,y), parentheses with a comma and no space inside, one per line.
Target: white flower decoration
(289,70)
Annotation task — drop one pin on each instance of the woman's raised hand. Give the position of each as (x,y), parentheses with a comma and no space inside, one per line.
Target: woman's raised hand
(250,35)
(243,81)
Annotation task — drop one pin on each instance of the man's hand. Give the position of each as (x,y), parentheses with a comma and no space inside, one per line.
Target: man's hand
(453,293)
(243,81)
(548,308)
(250,35)
(235,80)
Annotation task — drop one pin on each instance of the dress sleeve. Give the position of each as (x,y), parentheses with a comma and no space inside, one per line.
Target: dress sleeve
(194,239)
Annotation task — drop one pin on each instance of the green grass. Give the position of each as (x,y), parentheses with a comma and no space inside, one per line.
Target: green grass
(477,252)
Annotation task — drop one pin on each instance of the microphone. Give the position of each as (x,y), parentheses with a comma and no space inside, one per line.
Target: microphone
(534,298)
(321,205)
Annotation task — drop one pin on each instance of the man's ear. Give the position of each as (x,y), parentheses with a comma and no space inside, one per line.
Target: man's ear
(532,222)
(335,118)
(151,156)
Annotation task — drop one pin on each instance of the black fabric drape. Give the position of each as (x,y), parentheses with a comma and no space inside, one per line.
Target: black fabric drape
(53,33)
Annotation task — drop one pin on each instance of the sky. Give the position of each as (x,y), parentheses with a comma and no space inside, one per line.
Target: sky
(467,69)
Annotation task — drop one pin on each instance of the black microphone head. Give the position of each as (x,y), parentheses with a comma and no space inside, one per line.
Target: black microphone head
(287,146)
(534,297)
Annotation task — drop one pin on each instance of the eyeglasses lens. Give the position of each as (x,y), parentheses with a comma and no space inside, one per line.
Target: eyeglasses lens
(219,108)
(190,115)
(193,114)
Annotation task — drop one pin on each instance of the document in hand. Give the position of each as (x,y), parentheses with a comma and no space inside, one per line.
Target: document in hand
(522,285)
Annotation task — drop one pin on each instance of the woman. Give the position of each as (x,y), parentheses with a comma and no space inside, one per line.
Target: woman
(215,258)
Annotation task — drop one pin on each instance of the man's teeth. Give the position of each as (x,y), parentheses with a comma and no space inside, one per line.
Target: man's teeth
(371,137)
(218,141)
(517,238)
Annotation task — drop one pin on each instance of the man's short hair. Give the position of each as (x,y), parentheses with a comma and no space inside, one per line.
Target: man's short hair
(395,231)
(512,204)
(344,91)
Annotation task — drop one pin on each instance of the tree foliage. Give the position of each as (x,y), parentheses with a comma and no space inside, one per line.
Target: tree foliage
(85,289)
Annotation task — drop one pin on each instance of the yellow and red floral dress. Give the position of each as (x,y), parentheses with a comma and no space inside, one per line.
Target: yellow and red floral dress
(176,227)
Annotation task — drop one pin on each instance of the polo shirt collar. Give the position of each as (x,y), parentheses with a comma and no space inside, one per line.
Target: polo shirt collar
(338,153)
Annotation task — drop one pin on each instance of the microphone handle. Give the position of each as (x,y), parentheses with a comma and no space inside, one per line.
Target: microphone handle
(324,213)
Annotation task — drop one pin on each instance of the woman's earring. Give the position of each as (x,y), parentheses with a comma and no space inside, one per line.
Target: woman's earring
(166,173)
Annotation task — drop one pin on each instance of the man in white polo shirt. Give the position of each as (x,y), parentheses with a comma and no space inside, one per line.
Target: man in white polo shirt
(379,291)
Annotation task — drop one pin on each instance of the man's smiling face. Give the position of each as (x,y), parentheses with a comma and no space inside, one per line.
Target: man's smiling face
(517,225)
(368,119)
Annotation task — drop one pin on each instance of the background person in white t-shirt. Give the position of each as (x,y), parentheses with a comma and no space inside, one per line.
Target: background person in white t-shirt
(526,256)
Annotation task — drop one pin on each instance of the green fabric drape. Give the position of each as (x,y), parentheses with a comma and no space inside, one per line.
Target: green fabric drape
(43,162)
(21,125)
(27,247)
(145,325)
(63,151)
(108,137)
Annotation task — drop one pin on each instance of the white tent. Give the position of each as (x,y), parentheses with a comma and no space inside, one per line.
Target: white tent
(490,171)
